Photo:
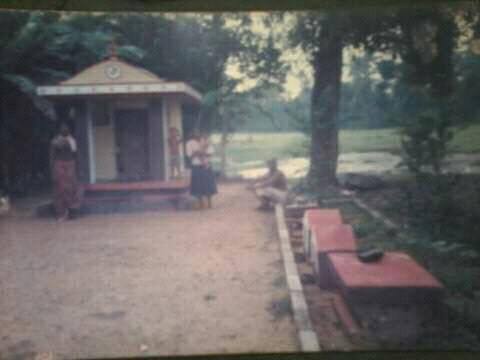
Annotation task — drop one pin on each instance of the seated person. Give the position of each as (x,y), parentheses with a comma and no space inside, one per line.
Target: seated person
(270,189)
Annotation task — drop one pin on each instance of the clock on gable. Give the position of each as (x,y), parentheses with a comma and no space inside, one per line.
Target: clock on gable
(113,71)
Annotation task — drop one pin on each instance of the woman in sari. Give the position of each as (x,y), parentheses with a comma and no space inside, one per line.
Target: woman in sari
(202,185)
(66,194)
(209,181)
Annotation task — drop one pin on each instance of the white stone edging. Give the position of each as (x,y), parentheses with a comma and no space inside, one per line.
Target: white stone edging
(306,335)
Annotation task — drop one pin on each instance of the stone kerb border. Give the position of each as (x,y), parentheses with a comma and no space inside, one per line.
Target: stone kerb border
(307,337)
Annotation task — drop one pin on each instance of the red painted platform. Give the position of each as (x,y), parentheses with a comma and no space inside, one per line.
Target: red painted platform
(147,192)
(327,239)
(333,238)
(320,217)
(138,186)
(395,279)
(323,216)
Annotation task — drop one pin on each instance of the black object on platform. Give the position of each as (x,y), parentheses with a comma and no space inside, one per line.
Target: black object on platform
(371,255)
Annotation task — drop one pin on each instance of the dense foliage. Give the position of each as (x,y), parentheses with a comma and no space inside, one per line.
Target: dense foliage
(407,60)
(44,48)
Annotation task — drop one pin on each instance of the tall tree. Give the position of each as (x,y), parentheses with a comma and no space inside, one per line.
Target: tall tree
(422,37)
(322,37)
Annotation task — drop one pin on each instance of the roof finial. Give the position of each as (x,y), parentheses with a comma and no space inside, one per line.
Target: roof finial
(112,49)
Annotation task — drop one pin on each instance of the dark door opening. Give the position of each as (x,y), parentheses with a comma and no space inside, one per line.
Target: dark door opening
(131,132)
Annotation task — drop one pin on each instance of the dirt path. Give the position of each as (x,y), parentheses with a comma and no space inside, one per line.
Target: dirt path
(185,282)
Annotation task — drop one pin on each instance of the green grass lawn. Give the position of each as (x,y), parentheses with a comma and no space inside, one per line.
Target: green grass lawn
(467,140)
(255,148)
(259,147)
(369,140)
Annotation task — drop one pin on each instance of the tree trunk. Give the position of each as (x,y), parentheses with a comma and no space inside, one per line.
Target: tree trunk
(327,64)
(223,149)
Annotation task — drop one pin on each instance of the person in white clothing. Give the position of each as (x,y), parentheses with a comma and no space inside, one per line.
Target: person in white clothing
(202,183)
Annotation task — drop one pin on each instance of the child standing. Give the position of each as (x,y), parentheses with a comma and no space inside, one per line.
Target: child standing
(174,141)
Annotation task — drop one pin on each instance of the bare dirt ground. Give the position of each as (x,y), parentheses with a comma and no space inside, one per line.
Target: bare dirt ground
(152,283)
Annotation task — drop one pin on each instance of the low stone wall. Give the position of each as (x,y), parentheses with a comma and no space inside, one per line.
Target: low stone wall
(306,335)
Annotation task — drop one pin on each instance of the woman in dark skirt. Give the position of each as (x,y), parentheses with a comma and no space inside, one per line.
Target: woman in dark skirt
(67,193)
(203,185)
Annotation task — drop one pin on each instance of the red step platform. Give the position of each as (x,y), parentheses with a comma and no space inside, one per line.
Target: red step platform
(396,279)
(110,187)
(146,192)
(320,217)
(325,240)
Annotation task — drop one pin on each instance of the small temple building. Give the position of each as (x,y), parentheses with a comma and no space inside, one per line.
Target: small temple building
(120,115)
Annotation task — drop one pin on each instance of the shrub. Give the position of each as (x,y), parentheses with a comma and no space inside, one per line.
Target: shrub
(425,143)
(447,208)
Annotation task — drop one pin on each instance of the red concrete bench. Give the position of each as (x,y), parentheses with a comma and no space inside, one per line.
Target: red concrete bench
(320,217)
(395,279)
(326,239)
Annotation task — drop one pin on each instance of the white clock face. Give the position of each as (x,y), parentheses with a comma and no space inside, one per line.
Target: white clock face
(112,71)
